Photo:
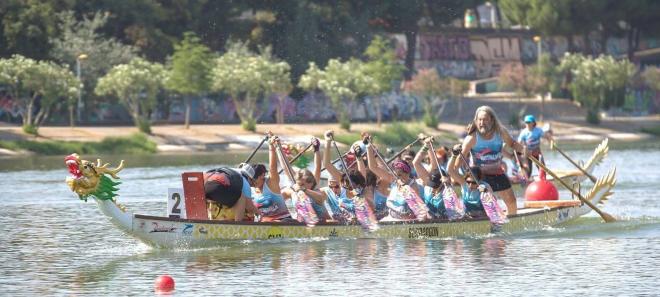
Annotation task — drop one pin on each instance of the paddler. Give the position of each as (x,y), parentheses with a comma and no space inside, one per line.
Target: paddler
(531,138)
(484,142)
(266,193)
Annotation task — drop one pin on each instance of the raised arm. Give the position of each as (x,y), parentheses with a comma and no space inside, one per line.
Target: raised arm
(283,162)
(417,163)
(274,180)
(316,143)
(453,164)
(332,170)
(381,173)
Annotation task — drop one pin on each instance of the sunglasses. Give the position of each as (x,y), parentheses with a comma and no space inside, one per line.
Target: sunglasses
(333,186)
(470,182)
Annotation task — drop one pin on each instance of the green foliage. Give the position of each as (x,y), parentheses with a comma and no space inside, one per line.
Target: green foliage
(593,116)
(651,76)
(136,84)
(144,125)
(28,80)
(597,82)
(135,144)
(191,67)
(651,130)
(249,125)
(31,129)
(79,37)
(247,76)
(382,64)
(347,138)
(397,134)
(430,120)
(342,82)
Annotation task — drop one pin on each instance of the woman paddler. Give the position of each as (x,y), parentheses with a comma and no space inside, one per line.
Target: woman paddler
(433,181)
(336,194)
(484,143)
(531,138)
(397,207)
(307,182)
(470,190)
(266,195)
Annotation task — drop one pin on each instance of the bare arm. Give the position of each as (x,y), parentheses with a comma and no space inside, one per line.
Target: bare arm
(274,180)
(336,174)
(417,163)
(317,167)
(516,146)
(452,168)
(381,173)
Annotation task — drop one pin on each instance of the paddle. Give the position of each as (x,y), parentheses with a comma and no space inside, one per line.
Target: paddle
(256,149)
(366,217)
(454,207)
(553,146)
(303,203)
(407,147)
(606,217)
(296,157)
(488,200)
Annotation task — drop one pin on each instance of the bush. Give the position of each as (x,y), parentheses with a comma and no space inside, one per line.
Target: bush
(135,144)
(345,124)
(429,120)
(347,139)
(249,125)
(397,134)
(144,126)
(593,117)
(31,129)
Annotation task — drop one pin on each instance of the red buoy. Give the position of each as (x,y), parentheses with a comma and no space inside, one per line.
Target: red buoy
(164,283)
(541,190)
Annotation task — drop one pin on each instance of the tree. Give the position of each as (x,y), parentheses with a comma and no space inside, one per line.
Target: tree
(457,89)
(247,77)
(190,72)
(83,38)
(594,78)
(651,76)
(341,82)
(428,85)
(136,84)
(543,79)
(36,86)
(383,67)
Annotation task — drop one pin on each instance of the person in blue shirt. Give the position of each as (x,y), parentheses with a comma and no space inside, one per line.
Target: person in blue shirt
(470,190)
(266,193)
(531,138)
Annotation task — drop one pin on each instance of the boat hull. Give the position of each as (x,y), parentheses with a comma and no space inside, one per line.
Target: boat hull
(181,233)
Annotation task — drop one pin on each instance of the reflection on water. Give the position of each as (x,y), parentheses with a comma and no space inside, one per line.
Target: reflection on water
(53,244)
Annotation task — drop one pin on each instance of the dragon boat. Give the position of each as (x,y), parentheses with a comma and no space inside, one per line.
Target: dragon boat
(100,183)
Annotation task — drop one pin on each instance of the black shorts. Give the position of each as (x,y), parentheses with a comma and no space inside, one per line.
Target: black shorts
(498,182)
(223,185)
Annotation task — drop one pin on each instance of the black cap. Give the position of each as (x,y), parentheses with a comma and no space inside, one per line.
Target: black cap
(435,179)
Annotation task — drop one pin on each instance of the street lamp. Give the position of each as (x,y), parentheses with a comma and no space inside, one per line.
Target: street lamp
(492,14)
(80,104)
(539,46)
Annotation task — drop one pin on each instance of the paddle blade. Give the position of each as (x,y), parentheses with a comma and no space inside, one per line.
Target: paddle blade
(305,210)
(415,203)
(454,206)
(493,210)
(365,215)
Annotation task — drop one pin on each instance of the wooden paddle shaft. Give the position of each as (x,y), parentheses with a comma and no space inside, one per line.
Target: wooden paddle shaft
(606,217)
(256,149)
(296,157)
(591,177)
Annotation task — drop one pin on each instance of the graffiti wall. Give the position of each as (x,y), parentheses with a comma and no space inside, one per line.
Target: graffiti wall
(481,56)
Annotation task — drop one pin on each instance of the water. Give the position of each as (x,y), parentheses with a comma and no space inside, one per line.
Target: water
(53,244)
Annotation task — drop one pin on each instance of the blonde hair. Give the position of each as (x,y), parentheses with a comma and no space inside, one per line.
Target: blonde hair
(306,176)
(472,126)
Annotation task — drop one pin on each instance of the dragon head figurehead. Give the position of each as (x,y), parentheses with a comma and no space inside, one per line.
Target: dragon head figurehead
(89,179)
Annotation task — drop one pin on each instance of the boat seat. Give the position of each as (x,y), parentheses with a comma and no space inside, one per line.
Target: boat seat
(194,195)
(551,203)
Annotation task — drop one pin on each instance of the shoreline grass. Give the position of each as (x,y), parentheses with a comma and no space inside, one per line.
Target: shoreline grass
(137,143)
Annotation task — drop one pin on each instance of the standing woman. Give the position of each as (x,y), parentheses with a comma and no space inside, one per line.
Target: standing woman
(484,142)
(266,191)
(531,138)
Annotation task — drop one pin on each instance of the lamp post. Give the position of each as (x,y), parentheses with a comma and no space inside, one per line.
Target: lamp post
(539,46)
(80,104)
(492,14)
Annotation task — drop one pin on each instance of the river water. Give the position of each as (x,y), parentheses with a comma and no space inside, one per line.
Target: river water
(53,244)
